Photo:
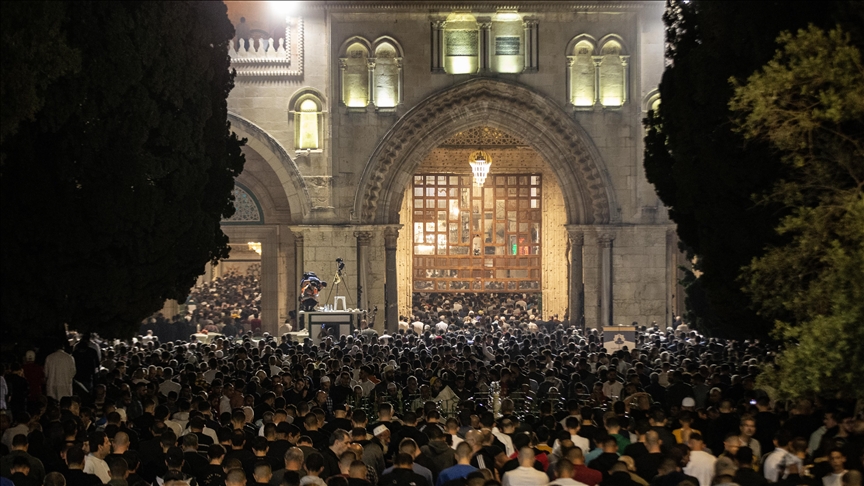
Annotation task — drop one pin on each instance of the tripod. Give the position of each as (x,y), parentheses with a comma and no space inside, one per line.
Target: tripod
(339,278)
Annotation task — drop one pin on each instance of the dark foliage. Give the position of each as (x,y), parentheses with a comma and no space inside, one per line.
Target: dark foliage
(113,193)
(702,169)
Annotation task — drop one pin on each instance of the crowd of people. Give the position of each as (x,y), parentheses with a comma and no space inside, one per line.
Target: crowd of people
(495,396)
(229,305)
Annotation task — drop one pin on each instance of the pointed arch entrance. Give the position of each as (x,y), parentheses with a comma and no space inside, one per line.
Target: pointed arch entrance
(510,107)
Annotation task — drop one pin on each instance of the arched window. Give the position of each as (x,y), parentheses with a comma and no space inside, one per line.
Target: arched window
(387,81)
(582,74)
(355,66)
(461,44)
(308,113)
(613,73)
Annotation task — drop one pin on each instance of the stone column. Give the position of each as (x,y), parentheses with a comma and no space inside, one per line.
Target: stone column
(270,285)
(298,270)
(363,239)
(399,80)
(530,31)
(576,295)
(438,46)
(569,79)
(343,64)
(391,289)
(485,44)
(287,289)
(370,96)
(605,241)
(625,85)
(597,61)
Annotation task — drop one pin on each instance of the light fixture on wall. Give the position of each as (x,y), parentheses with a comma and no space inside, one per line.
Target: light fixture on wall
(480,163)
(255,246)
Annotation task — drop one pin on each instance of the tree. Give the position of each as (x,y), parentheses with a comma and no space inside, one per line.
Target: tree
(808,103)
(703,170)
(114,191)
(31,61)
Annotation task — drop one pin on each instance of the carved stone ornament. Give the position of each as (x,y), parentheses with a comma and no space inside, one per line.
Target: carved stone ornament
(267,58)
(483,137)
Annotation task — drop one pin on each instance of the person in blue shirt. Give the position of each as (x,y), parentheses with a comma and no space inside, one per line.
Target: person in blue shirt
(462,468)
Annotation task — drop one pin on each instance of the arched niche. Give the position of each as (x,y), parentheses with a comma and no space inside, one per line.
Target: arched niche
(614,63)
(461,44)
(354,66)
(508,42)
(581,66)
(387,78)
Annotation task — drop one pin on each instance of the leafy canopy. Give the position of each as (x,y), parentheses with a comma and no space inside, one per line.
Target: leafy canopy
(808,103)
(119,168)
(702,168)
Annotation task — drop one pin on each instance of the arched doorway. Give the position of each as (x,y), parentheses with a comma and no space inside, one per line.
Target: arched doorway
(506,106)
(507,236)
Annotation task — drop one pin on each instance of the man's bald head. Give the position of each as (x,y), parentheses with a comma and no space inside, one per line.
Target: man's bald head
(526,457)
(121,440)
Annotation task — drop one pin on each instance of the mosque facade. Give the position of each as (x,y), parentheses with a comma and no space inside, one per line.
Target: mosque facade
(362,118)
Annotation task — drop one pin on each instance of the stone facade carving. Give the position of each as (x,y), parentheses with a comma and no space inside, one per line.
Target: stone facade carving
(485,137)
(493,102)
(271,57)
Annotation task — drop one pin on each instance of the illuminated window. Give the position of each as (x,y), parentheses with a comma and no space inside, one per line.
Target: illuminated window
(387,82)
(612,74)
(308,125)
(582,74)
(461,44)
(308,111)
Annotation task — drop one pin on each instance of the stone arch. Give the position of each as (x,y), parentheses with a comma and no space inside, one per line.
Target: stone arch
(355,39)
(650,99)
(278,159)
(256,176)
(588,193)
(613,38)
(571,46)
(386,39)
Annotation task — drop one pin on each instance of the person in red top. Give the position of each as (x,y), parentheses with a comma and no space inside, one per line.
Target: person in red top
(35,375)
(255,324)
(581,472)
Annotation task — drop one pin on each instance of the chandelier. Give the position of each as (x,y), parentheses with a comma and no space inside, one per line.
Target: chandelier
(480,163)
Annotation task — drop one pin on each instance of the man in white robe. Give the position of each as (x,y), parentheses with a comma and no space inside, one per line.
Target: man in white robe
(59,372)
